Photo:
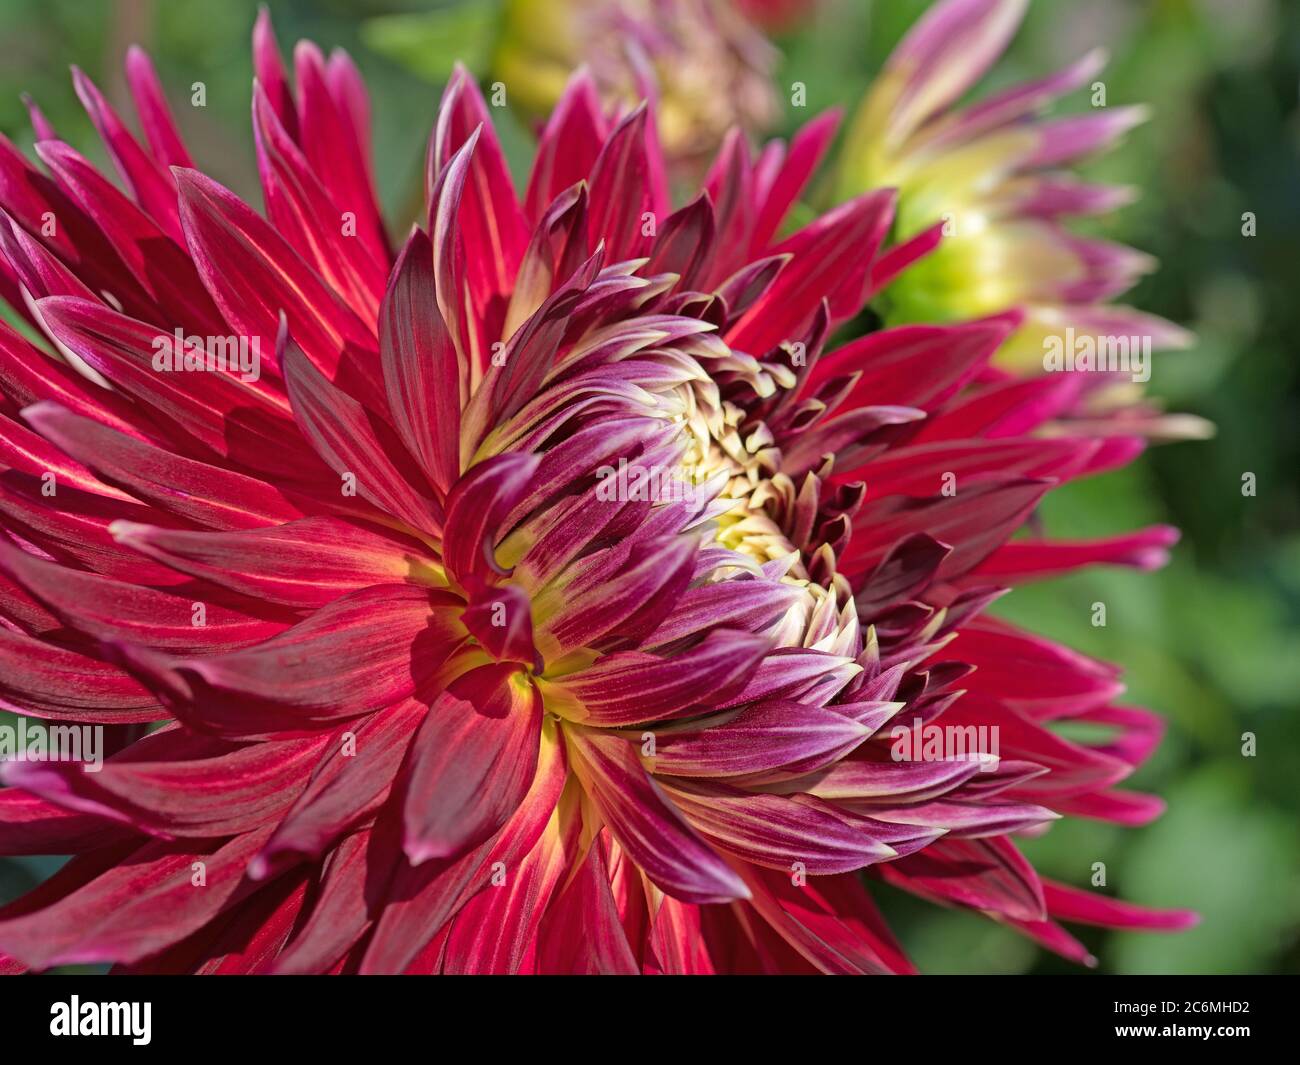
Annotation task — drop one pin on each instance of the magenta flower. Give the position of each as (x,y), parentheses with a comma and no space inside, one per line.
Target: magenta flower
(542,598)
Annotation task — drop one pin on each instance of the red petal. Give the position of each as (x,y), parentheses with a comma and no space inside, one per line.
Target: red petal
(309,562)
(419,360)
(360,653)
(357,444)
(569,145)
(629,687)
(646,824)
(472,762)
(581,932)
(1074,904)
(477,510)
(155,115)
(136,908)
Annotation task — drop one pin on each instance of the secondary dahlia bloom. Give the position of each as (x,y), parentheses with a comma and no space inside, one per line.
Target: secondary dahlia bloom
(995,178)
(708,65)
(544,600)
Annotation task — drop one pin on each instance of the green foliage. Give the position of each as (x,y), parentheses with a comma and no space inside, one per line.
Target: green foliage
(431,43)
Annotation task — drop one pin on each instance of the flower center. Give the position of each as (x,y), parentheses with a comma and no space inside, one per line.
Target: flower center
(739,472)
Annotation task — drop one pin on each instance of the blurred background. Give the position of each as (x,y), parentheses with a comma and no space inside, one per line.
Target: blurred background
(1212,641)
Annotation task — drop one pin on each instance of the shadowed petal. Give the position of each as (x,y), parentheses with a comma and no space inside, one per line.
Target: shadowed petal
(471,763)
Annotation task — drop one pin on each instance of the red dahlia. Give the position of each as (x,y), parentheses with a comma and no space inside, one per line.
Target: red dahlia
(549,596)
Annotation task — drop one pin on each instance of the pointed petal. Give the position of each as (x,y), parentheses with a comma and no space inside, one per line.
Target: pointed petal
(419,361)
(308,563)
(779,832)
(1025,560)
(198,491)
(620,190)
(149,183)
(255,277)
(761,737)
(471,763)
(646,824)
(155,115)
(334,133)
(158,785)
(830,921)
(477,510)
(490,219)
(302,211)
(569,145)
(829,259)
(134,909)
(355,442)
(340,913)
(1074,904)
(807,148)
(629,687)
(984,874)
(361,652)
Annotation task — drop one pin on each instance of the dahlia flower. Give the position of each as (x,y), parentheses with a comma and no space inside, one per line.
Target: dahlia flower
(995,180)
(544,601)
(705,61)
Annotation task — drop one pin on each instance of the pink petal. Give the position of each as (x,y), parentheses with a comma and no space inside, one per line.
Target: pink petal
(155,115)
(419,361)
(776,831)
(761,737)
(471,763)
(647,825)
(355,443)
(359,653)
(308,563)
(134,909)
(1074,904)
(477,510)
(149,183)
(302,211)
(628,687)
(1024,560)
(569,144)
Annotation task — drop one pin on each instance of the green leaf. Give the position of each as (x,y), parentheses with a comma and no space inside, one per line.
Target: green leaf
(429,44)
